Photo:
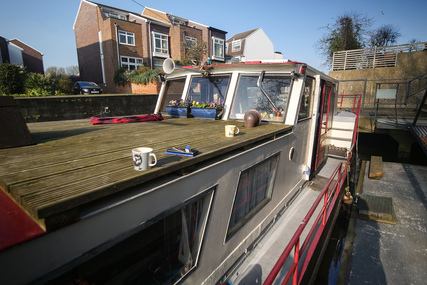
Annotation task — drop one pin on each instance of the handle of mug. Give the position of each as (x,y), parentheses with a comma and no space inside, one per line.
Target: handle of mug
(155,159)
(237,129)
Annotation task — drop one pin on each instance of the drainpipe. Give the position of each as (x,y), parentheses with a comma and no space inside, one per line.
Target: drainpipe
(117,43)
(149,42)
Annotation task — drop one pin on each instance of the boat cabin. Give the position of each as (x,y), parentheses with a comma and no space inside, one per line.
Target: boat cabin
(188,219)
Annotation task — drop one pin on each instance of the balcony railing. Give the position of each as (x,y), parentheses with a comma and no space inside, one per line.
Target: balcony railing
(372,57)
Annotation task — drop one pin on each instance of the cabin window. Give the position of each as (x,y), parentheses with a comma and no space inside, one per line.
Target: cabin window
(173,91)
(253,192)
(249,96)
(212,89)
(162,253)
(306,100)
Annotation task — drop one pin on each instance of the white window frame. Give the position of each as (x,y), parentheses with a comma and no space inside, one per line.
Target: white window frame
(215,42)
(128,61)
(236,45)
(110,14)
(129,38)
(163,49)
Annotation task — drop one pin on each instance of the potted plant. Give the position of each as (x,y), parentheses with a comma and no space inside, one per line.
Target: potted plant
(179,109)
(207,110)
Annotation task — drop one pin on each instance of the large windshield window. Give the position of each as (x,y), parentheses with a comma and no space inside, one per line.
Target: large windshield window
(249,96)
(212,89)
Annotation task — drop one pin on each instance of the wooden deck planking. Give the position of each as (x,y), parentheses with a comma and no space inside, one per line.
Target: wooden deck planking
(69,167)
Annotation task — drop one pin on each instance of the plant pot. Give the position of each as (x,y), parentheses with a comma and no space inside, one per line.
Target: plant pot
(206,113)
(178,112)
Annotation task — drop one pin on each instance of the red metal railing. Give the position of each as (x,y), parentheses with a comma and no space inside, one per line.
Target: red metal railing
(329,199)
(341,99)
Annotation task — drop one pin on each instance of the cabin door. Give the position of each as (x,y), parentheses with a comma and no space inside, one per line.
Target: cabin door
(323,124)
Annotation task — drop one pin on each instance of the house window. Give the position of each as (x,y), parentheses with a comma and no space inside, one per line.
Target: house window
(236,45)
(126,38)
(190,41)
(109,14)
(217,48)
(253,192)
(130,63)
(161,253)
(161,45)
(158,63)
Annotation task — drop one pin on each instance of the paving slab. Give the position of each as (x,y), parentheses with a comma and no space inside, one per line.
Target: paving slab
(384,253)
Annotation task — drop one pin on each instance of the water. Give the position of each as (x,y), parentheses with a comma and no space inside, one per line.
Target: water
(330,266)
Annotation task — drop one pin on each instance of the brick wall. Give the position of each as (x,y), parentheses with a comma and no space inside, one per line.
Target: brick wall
(57,108)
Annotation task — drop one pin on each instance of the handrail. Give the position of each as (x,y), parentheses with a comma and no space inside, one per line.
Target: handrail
(324,214)
(423,101)
(349,95)
(384,56)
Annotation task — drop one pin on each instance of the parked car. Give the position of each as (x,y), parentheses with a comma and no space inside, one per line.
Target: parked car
(86,87)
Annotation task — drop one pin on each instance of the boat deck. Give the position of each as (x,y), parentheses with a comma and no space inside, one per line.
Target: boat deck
(74,163)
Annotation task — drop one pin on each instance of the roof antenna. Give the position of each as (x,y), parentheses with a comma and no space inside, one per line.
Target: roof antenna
(138,4)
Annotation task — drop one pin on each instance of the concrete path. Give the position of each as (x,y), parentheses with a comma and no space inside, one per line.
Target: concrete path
(382,253)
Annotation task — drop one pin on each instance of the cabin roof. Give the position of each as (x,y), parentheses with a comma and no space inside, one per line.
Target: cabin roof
(74,164)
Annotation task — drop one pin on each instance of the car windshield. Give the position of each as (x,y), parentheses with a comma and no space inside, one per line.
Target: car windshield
(88,84)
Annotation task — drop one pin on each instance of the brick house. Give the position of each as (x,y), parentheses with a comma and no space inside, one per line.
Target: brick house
(18,52)
(109,37)
(249,46)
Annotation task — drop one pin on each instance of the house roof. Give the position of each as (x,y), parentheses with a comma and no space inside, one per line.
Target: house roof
(155,14)
(144,17)
(23,45)
(241,36)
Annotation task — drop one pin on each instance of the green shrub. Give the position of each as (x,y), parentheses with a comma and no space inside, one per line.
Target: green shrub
(144,75)
(121,76)
(12,78)
(38,85)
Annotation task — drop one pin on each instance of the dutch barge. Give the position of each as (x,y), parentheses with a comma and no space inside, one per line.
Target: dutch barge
(82,214)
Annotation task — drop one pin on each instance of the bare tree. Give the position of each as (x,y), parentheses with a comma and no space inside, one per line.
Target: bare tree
(72,70)
(384,36)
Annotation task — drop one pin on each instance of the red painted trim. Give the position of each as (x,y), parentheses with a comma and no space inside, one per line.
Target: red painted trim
(15,225)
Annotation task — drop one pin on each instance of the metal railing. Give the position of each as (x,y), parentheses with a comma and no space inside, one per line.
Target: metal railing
(372,57)
(342,96)
(311,241)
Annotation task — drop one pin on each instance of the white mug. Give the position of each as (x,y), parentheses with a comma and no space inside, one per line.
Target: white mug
(143,158)
(231,130)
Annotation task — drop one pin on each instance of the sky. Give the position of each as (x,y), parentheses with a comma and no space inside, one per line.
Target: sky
(294,27)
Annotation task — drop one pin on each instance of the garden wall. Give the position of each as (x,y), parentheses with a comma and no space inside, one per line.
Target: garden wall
(57,108)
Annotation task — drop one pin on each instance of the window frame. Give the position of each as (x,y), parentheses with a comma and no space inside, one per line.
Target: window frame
(138,61)
(128,36)
(309,99)
(267,75)
(163,38)
(218,41)
(236,45)
(232,230)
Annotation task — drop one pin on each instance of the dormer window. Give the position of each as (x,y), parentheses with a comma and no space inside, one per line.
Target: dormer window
(236,45)
(111,14)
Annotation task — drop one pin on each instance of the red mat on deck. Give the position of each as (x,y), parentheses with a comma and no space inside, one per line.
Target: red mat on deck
(121,120)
